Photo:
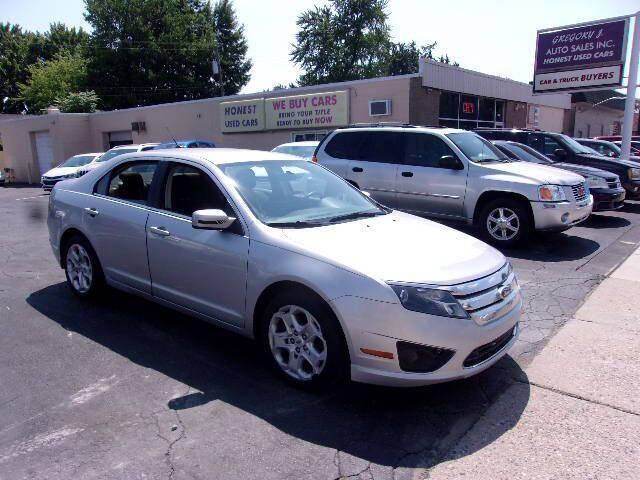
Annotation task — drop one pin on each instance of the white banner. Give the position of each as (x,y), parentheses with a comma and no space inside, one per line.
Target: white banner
(578,79)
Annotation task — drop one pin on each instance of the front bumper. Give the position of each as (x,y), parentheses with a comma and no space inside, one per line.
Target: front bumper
(605,199)
(560,215)
(379,326)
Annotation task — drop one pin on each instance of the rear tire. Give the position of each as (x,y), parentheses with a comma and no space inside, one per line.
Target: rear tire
(303,340)
(82,267)
(505,222)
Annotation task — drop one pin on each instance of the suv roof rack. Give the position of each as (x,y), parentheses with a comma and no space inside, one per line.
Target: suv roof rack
(503,129)
(388,124)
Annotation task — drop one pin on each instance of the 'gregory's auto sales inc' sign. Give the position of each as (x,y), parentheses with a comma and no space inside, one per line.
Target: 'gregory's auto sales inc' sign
(314,110)
(581,57)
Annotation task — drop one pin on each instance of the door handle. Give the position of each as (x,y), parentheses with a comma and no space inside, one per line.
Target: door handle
(407,174)
(91,211)
(161,231)
(357,169)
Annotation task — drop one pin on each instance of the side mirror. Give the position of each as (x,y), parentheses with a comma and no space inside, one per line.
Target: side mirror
(560,153)
(364,192)
(211,219)
(612,154)
(450,162)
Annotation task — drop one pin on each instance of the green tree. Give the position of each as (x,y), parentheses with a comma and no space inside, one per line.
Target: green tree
(49,81)
(78,102)
(343,40)
(231,48)
(404,58)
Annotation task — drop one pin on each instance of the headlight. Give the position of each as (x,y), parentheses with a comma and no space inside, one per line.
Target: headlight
(70,175)
(430,301)
(595,182)
(551,193)
(634,173)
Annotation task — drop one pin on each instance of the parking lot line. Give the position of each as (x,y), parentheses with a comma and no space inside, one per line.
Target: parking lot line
(42,195)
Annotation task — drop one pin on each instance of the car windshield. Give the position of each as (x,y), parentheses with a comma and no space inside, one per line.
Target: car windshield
(476,148)
(298,194)
(527,154)
(574,146)
(114,153)
(78,161)
(300,151)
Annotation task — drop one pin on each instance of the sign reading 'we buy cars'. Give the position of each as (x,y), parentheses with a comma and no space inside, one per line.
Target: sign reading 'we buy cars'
(580,57)
(315,110)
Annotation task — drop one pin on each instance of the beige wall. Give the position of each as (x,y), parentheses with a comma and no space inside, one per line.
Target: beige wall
(550,119)
(591,122)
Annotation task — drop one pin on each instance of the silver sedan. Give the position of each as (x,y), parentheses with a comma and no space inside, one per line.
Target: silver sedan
(331,284)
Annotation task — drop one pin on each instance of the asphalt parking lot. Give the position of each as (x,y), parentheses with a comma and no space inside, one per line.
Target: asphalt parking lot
(123,388)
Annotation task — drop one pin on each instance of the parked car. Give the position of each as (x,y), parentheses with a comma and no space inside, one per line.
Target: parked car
(457,175)
(185,144)
(299,149)
(285,251)
(562,148)
(635,146)
(605,187)
(606,148)
(67,169)
(115,152)
(615,138)
(2,177)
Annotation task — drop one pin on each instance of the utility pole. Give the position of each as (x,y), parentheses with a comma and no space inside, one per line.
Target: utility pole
(218,63)
(632,81)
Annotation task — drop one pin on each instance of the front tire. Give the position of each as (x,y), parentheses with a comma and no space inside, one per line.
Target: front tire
(303,340)
(82,268)
(505,222)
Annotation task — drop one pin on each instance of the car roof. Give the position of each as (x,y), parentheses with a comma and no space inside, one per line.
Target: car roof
(217,156)
(91,153)
(134,145)
(401,128)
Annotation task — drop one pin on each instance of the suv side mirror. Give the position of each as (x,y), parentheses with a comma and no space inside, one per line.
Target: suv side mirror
(211,219)
(450,162)
(560,153)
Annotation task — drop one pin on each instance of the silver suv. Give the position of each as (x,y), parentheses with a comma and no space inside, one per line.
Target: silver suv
(455,174)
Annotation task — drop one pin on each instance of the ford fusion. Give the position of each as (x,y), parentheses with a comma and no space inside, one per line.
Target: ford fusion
(331,284)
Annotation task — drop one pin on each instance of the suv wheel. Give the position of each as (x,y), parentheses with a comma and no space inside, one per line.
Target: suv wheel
(303,340)
(82,268)
(505,222)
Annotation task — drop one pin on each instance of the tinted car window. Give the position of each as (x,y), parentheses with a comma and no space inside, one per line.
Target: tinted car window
(423,150)
(132,182)
(188,189)
(114,153)
(381,147)
(526,154)
(345,145)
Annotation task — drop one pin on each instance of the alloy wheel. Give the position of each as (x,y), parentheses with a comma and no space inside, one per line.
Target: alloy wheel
(503,224)
(79,268)
(297,343)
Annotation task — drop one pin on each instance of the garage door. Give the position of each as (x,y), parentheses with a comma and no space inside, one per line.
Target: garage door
(120,138)
(44,151)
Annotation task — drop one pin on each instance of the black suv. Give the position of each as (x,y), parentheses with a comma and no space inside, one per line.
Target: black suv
(562,148)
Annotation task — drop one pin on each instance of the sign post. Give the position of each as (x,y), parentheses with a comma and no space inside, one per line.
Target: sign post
(632,82)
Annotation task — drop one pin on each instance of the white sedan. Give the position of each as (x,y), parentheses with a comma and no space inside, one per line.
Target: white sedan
(67,169)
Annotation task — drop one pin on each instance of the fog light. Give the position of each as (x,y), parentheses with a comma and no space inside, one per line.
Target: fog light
(421,358)
(565,217)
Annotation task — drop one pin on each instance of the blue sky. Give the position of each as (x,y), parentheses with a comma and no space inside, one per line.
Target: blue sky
(491,36)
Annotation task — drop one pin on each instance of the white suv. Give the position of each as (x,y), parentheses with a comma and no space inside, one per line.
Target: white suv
(455,174)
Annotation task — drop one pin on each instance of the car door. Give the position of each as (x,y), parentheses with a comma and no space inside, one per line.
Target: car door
(422,185)
(115,219)
(374,165)
(203,270)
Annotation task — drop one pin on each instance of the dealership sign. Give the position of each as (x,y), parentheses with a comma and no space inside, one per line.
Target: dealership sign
(581,57)
(316,110)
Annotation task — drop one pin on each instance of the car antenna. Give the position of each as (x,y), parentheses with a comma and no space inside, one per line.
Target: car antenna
(174,140)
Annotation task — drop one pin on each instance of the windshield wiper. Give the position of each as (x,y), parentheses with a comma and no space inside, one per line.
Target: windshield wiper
(354,215)
(296,224)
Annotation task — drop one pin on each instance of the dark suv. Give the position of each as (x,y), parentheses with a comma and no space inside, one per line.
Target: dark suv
(562,148)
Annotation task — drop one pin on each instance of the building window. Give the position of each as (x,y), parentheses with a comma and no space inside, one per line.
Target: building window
(379,108)
(470,111)
(315,136)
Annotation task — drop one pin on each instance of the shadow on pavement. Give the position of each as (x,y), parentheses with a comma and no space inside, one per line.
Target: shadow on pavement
(605,221)
(390,427)
(631,207)
(554,247)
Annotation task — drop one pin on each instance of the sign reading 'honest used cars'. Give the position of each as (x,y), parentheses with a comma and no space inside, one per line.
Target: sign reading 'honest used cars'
(581,57)
(315,110)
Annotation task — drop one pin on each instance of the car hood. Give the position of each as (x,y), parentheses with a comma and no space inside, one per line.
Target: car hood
(536,173)
(60,171)
(400,247)
(611,161)
(584,170)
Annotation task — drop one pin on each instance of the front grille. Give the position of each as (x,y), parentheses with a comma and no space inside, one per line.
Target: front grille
(615,184)
(485,352)
(50,181)
(498,290)
(580,192)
